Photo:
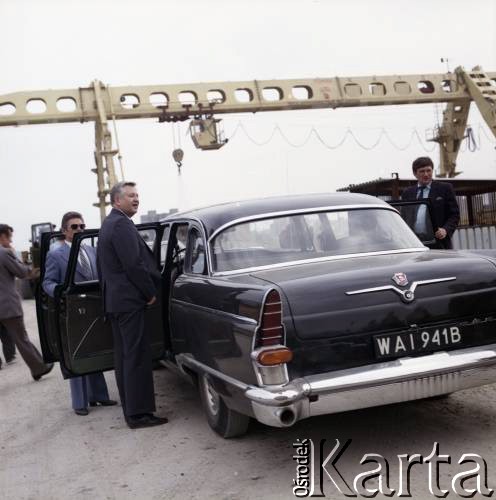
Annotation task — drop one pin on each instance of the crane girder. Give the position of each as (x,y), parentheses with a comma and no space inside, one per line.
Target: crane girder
(482,88)
(177,102)
(450,135)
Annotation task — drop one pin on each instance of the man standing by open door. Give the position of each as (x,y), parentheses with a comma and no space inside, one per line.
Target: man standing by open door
(130,282)
(86,390)
(445,211)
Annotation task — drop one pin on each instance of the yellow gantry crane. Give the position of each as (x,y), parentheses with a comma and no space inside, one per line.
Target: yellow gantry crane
(199,102)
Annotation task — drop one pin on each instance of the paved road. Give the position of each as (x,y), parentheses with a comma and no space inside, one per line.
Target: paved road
(47,452)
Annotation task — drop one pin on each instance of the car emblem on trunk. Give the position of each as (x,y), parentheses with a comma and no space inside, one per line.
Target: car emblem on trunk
(407,295)
(400,279)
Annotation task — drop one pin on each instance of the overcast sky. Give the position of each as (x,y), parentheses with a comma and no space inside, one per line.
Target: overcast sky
(46,169)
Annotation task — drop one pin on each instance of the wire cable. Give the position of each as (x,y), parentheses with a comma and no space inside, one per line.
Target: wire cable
(415,135)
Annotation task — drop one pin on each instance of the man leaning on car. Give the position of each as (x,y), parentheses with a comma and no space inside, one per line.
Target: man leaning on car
(445,211)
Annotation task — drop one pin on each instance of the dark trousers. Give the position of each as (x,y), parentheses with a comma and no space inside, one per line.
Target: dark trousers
(133,363)
(31,356)
(87,389)
(8,346)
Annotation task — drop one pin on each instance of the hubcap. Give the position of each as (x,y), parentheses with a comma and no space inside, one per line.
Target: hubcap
(211,397)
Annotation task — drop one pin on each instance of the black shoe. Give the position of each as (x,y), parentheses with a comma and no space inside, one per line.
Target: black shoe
(81,411)
(48,369)
(145,420)
(11,360)
(104,402)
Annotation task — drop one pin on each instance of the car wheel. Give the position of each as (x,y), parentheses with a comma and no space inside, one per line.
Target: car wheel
(224,421)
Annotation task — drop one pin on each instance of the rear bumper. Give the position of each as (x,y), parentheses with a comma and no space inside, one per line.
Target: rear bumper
(366,386)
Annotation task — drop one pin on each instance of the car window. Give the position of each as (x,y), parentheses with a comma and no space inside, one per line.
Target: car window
(177,238)
(181,233)
(86,268)
(163,245)
(309,236)
(148,236)
(198,257)
(418,218)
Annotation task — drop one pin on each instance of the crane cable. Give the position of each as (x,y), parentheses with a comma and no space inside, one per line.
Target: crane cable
(414,135)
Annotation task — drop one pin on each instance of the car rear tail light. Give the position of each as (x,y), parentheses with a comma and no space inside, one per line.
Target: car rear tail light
(271,357)
(271,330)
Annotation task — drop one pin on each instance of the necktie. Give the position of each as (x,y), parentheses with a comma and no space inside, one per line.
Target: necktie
(420,219)
(84,261)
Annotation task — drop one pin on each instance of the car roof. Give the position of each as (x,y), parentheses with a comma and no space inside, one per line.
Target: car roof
(216,216)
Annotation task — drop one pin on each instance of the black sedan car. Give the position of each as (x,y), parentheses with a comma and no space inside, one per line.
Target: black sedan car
(284,308)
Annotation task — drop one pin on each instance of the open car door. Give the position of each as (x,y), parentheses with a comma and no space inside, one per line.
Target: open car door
(72,326)
(418,215)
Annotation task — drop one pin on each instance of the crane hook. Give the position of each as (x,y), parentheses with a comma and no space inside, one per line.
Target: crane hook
(178,155)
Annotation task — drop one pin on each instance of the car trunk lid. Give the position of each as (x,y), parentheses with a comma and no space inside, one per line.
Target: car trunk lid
(321,306)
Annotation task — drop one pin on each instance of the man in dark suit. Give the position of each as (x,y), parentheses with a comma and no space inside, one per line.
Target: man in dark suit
(88,389)
(445,211)
(129,281)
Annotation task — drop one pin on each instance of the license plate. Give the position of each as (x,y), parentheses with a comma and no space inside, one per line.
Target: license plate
(422,340)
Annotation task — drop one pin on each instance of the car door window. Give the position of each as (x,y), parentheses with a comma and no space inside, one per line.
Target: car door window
(198,259)
(417,214)
(163,246)
(86,268)
(148,236)
(177,238)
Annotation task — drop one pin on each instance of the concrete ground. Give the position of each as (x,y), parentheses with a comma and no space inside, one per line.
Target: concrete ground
(47,452)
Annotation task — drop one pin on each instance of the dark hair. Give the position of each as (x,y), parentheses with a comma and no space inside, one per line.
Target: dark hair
(6,229)
(118,188)
(67,217)
(422,161)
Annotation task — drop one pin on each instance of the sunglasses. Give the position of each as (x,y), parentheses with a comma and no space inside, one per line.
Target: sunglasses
(77,226)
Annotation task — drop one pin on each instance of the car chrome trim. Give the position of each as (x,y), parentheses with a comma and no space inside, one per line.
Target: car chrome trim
(269,375)
(217,312)
(318,259)
(85,335)
(268,215)
(403,379)
(408,294)
(189,361)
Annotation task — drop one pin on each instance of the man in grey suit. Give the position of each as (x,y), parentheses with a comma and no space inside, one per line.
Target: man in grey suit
(8,346)
(88,389)
(129,281)
(11,314)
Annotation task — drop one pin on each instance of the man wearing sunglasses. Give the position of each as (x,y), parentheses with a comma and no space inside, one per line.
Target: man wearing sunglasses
(88,389)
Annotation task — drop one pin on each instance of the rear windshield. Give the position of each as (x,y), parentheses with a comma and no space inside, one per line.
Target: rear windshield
(309,236)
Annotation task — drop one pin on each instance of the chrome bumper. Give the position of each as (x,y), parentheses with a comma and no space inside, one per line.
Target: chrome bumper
(379,384)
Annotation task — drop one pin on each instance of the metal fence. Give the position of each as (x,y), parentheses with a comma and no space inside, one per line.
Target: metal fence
(483,210)
(475,237)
